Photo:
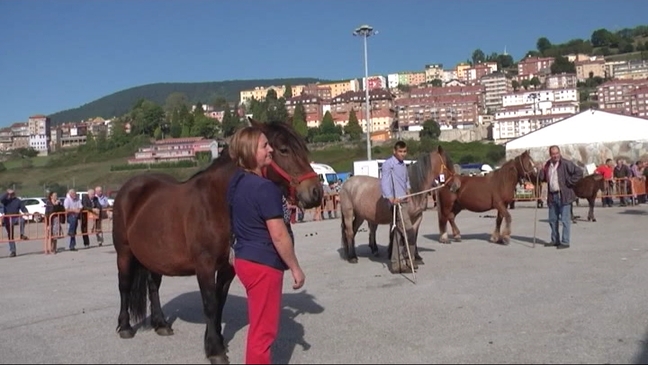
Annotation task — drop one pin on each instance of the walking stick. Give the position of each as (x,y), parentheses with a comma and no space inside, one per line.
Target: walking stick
(409,252)
(535,214)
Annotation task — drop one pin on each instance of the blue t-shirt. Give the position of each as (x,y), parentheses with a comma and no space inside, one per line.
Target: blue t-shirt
(253,200)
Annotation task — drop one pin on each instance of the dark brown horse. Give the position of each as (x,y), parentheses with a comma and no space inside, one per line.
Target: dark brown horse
(361,199)
(166,227)
(483,193)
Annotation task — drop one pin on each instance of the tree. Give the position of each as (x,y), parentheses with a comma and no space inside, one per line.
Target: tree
(299,121)
(504,61)
(353,128)
(543,45)
(157,134)
(431,130)
(174,101)
(478,56)
(562,64)
(287,92)
(535,82)
(231,122)
(328,124)
(526,83)
(436,83)
(145,117)
(204,126)
(516,85)
(602,37)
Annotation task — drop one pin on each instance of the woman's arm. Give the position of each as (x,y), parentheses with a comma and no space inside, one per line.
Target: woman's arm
(282,242)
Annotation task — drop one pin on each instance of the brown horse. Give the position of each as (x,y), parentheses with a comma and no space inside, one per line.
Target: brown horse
(361,199)
(483,193)
(166,227)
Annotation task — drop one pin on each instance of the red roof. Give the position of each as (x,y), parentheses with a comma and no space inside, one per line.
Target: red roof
(38,116)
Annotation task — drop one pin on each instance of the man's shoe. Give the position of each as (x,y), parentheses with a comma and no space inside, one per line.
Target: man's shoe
(23,237)
(550,244)
(13,254)
(562,246)
(72,249)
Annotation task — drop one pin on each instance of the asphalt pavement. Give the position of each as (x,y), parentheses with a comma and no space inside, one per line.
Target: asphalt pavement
(474,301)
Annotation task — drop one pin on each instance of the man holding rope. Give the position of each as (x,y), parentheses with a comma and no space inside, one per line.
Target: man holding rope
(395,183)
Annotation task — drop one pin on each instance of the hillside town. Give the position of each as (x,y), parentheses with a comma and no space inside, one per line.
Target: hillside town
(469,103)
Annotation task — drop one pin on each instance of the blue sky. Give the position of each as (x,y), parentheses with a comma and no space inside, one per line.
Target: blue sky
(61,54)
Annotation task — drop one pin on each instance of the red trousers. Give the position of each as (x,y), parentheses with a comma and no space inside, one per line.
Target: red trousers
(263,285)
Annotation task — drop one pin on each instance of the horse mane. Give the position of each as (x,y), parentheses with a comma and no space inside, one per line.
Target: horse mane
(500,175)
(419,171)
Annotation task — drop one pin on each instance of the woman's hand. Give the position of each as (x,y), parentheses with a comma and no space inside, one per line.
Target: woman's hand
(298,277)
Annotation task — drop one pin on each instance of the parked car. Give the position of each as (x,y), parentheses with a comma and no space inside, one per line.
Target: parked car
(36,208)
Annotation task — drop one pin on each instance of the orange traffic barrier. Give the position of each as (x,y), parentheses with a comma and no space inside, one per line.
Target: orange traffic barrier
(18,227)
(88,224)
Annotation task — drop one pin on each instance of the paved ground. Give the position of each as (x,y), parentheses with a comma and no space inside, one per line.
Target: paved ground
(475,302)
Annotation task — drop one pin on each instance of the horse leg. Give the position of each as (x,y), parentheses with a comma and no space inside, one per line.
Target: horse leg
(456,234)
(223,281)
(590,213)
(214,346)
(442,216)
(158,322)
(506,235)
(348,235)
(125,266)
(495,237)
(373,245)
(415,226)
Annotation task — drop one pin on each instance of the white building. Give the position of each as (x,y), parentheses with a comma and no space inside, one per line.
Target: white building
(588,137)
(392,81)
(39,134)
(531,97)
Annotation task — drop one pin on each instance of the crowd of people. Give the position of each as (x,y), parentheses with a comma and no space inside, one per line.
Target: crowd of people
(86,212)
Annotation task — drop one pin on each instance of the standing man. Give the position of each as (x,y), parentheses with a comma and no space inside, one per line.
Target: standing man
(394,183)
(12,206)
(560,175)
(606,171)
(103,201)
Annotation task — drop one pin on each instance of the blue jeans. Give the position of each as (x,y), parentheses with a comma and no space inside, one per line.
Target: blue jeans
(8,223)
(559,213)
(72,221)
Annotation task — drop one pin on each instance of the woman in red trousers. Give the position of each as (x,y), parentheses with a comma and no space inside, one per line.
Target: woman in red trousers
(263,249)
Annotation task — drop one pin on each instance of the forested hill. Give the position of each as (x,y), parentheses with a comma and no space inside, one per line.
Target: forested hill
(121,102)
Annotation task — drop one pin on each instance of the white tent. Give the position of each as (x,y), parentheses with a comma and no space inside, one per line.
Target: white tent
(589,126)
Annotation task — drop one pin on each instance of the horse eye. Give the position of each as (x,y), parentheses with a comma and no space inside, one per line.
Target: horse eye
(283,150)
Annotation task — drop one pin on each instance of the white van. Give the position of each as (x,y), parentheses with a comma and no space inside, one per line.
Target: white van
(326,173)
(372,167)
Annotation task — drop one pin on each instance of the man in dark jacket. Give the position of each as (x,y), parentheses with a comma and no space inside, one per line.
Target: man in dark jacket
(12,205)
(91,210)
(561,176)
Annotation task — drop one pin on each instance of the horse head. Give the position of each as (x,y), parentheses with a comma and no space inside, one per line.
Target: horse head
(290,167)
(525,166)
(447,171)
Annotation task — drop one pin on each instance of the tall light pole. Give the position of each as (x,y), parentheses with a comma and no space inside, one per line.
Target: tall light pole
(366,31)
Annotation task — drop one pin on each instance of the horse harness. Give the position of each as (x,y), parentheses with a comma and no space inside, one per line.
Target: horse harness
(293,181)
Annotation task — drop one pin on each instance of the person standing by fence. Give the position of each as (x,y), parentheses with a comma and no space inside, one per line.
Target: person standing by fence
(606,171)
(103,202)
(53,223)
(73,208)
(12,206)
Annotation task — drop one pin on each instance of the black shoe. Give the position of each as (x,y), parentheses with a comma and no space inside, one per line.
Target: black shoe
(562,246)
(13,254)
(23,237)
(72,249)
(550,244)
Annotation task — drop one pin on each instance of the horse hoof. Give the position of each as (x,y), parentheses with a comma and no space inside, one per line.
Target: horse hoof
(506,241)
(457,238)
(219,359)
(164,331)
(494,239)
(419,261)
(593,219)
(353,260)
(127,334)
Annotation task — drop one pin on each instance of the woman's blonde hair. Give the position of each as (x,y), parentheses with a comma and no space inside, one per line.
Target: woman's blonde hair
(243,147)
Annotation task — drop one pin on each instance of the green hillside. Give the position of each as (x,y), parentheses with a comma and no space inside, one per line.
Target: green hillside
(121,102)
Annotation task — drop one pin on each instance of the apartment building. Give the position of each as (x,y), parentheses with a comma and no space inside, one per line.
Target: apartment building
(631,70)
(475,73)
(312,106)
(590,67)
(615,96)
(434,71)
(495,86)
(375,82)
(321,91)
(380,105)
(174,150)
(533,66)
(524,112)
(259,92)
(339,88)
(639,102)
(39,133)
(561,81)
(460,70)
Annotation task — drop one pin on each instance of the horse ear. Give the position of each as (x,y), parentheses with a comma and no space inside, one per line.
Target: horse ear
(254,123)
(440,149)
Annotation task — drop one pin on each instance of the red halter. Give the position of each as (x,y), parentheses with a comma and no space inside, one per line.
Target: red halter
(294,181)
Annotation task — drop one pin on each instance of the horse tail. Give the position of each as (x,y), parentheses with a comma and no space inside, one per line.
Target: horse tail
(138,290)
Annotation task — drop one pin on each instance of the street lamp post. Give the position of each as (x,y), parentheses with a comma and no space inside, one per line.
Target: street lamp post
(365,31)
